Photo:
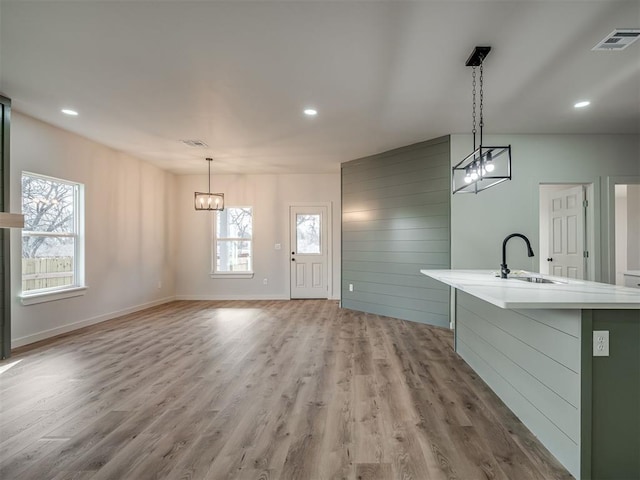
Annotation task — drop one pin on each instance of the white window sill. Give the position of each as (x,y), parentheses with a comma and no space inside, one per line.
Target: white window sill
(41,297)
(231,275)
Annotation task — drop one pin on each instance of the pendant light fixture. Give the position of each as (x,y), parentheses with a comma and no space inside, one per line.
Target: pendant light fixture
(209,201)
(486,166)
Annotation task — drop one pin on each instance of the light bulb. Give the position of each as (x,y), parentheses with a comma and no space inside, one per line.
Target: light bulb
(474,175)
(489,166)
(467,179)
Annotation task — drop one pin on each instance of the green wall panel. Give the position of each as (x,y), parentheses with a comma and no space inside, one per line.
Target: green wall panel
(395,222)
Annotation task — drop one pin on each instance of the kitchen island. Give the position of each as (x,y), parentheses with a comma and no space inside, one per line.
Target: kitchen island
(532,343)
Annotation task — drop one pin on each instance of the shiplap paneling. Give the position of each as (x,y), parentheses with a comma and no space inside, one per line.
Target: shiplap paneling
(534,368)
(396,221)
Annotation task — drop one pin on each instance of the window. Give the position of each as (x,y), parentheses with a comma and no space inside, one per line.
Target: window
(308,233)
(233,242)
(51,240)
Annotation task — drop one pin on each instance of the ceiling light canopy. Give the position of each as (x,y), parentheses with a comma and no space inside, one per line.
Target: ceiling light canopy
(486,166)
(68,111)
(582,104)
(209,201)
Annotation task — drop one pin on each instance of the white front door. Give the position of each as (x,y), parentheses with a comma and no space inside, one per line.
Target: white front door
(309,252)
(566,233)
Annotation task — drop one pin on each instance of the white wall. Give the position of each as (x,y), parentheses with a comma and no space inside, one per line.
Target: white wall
(270,197)
(633,227)
(479,223)
(129,239)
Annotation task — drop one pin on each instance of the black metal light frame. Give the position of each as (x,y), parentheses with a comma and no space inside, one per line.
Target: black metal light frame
(476,162)
(209,201)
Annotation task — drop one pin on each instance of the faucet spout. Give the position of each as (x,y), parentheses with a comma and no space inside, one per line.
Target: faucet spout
(504,270)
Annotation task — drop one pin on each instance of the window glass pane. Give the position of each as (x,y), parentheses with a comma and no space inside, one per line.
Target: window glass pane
(47,205)
(307,233)
(234,222)
(47,262)
(50,236)
(233,256)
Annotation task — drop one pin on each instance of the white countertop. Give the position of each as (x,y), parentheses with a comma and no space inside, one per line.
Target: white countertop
(516,294)
(633,273)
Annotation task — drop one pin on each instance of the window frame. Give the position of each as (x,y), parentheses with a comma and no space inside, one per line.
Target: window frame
(78,286)
(214,272)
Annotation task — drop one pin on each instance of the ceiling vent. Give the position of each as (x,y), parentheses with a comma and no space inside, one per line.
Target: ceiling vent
(195,143)
(619,39)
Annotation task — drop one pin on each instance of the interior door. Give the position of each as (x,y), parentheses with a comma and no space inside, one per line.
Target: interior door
(567,233)
(309,256)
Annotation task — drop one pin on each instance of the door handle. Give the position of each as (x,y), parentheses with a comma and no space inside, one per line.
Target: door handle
(549,259)
(293,259)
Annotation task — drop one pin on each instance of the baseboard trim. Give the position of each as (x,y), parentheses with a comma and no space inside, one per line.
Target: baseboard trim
(36,337)
(232,297)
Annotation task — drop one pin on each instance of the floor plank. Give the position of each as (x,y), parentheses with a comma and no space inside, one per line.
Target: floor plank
(257,390)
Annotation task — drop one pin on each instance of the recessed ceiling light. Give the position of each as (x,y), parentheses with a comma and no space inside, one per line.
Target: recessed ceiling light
(311,112)
(582,104)
(68,111)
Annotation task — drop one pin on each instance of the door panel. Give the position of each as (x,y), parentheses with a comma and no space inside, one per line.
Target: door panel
(309,256)
(299,277)
(317,275)
(567,233)
(572,235)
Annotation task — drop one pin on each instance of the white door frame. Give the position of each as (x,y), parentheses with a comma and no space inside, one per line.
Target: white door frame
(609,220)
(329,227)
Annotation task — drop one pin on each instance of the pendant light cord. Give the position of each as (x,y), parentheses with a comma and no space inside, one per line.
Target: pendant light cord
(481,101)
(209,160)
(473,114)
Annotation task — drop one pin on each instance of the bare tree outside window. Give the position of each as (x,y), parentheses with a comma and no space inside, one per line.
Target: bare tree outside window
(49,237)
(233,240)
(308,233)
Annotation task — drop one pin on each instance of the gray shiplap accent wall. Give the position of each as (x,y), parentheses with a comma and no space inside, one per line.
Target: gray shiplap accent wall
(395,221)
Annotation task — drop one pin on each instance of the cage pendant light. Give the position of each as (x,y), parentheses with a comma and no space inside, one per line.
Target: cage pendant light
(486,166)
(209,201)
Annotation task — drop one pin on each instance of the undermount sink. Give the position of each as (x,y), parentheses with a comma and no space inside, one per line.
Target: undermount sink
(537,280)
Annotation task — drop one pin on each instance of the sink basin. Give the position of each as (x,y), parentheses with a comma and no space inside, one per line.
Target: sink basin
(536,280)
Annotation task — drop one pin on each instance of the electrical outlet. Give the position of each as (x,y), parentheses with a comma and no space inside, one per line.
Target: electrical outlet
(277,246)
(265,281)
(351,287)
(601,343)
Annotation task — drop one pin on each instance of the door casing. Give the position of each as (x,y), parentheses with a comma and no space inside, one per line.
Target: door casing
(329,246)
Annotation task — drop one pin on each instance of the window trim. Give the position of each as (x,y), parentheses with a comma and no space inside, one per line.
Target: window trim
(78,287)
(213,273)
(52,295)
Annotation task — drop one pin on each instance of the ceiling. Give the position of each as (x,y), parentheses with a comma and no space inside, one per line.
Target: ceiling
(144,75)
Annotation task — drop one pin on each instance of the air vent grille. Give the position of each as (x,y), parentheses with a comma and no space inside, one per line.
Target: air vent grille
(617,40)
(195,143)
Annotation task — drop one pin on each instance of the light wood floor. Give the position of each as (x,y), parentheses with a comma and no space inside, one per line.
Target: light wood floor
(257,390)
